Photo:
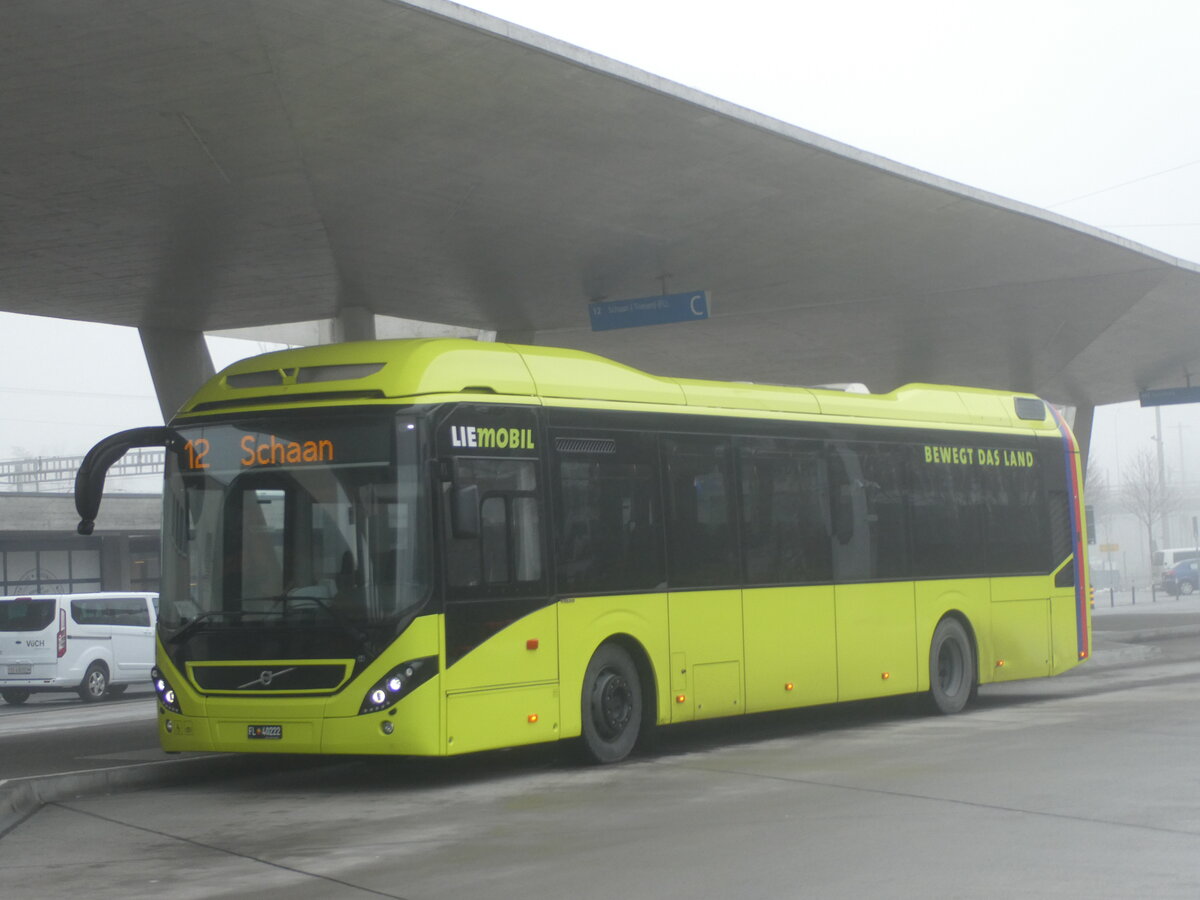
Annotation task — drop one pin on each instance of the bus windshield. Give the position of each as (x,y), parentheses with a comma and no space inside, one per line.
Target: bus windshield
(302,524)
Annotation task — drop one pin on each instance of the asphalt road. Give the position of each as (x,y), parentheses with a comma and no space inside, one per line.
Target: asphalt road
(1080,786)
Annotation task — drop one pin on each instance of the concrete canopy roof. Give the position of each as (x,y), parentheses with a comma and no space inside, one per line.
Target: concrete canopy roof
(235,163)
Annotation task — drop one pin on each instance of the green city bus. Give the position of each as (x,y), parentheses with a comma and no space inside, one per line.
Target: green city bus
(435,547)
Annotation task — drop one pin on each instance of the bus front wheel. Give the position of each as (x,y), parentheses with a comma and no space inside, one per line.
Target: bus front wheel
(611,705)
(952,672)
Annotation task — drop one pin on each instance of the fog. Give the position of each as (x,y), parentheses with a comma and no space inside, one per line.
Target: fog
(1082,108)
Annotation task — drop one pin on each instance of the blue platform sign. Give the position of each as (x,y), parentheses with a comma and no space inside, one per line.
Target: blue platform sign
(607,315)
(1170,396)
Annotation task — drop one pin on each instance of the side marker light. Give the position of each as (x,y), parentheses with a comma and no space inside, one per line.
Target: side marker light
(886,675)
(681,698)
(533,717)
(789,686)
(999,664)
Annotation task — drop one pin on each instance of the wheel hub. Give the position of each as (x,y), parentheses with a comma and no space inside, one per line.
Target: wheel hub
(612,704)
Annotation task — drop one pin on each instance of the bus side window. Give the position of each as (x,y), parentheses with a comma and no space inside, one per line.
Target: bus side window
(506,554)
(702,546)
(1017,526)
(608,522)
(869,483)
(785,513)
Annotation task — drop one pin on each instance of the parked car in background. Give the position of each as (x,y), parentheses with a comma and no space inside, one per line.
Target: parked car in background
(93,644)
(1182,578)
(1164,560)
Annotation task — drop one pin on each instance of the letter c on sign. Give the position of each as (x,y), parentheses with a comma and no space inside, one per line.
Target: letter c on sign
(698,299)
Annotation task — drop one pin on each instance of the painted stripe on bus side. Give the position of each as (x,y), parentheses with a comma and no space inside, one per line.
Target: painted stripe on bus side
(1072,466)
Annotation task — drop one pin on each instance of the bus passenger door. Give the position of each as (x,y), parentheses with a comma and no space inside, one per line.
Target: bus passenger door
(791,651)
(788,606)
(706,654)
(876,640)
(704,611)
(875,599)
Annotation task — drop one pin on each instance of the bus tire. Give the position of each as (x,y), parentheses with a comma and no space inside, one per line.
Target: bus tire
(612,705)
(952,671)
(15,696)
(95,683)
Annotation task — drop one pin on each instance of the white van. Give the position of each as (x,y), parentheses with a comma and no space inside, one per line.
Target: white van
(94,644)
(1165,560)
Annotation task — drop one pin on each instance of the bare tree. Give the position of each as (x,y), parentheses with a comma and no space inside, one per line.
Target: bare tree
(1145,494)
(1096,487)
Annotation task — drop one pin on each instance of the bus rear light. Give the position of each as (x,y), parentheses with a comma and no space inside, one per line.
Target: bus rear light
(62,633)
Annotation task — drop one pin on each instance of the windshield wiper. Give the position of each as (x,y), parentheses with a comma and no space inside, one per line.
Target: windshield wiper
(192,624)
(360,637)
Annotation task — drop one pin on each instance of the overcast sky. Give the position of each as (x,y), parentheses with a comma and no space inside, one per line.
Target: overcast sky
(1083,107)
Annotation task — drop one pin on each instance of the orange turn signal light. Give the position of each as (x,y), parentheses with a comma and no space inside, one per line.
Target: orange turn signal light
(681,698)
(533,717)
(789,686)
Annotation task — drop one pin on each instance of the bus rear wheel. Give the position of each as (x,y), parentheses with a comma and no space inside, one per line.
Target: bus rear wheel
(612,705)
(952,672)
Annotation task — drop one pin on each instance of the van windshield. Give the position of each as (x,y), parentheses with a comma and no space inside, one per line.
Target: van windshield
(26,613)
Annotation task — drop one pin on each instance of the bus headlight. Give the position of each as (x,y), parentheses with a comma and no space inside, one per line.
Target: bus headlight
(166,693)
(398,683)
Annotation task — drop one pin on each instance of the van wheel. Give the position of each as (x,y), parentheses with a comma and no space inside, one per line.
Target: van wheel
(95,683)
(1185,587)
(15,696)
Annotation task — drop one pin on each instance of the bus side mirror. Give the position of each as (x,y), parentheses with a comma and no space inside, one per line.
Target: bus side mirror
(89,480)
(464,511)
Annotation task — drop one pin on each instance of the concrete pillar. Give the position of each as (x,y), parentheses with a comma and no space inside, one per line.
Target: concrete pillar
(354,323)
(1084,416)
(179,363)
(114,562)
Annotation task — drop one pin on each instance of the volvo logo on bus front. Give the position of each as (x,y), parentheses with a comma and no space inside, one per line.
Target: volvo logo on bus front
(265,678)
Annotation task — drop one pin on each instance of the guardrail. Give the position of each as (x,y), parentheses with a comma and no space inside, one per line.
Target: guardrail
(1144,595)
(32,474)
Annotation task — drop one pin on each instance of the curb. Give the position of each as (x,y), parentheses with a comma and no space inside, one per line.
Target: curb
(1148,634)
(20,798)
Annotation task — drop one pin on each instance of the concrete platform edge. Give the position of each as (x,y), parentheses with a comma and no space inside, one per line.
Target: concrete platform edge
(20,798)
